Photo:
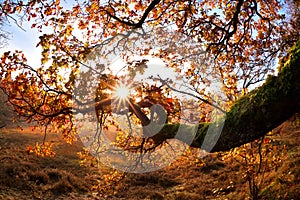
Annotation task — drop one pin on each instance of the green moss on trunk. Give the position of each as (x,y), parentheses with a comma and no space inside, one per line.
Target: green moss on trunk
(254,114)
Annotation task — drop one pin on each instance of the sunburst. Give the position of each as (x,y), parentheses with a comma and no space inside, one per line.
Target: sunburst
(121,96)
(122,92)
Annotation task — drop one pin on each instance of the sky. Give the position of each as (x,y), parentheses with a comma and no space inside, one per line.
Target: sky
(24,40)
(27,39)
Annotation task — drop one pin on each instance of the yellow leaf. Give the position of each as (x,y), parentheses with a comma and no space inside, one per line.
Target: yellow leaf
(69,30)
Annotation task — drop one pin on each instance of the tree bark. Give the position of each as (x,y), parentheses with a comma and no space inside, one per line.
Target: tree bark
(253,115)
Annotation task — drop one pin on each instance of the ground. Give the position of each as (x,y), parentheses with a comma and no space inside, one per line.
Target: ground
(25,176)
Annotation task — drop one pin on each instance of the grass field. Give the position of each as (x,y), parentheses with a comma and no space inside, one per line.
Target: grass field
(26,176)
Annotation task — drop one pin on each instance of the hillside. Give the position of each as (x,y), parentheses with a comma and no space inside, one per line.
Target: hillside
(26,176)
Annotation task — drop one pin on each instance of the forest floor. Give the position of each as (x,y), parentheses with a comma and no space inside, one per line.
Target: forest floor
(24,175)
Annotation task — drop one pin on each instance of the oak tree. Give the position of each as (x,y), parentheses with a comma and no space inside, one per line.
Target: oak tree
(241,39)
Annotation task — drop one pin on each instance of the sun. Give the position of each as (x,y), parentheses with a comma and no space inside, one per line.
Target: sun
(122,91)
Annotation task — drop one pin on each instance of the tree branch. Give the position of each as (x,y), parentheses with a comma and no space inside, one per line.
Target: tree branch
(253,115)
(147,11)
(141,21)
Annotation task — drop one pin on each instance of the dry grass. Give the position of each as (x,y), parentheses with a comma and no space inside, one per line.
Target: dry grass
(26,176)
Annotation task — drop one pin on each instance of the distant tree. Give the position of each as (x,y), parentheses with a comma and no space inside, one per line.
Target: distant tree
(4,36)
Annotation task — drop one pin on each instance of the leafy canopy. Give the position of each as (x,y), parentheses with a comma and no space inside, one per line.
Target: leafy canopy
(243,38)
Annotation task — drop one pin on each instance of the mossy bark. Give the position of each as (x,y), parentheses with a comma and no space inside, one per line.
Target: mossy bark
(255,114)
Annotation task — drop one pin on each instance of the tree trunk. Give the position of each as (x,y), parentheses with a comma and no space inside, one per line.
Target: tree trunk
(253,115)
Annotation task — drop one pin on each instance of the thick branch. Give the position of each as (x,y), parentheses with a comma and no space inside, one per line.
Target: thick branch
(143,18)
(147,11)
(253,115)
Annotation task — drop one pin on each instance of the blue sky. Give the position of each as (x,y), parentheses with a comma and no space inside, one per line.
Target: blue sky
(24,40)
(27,39)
